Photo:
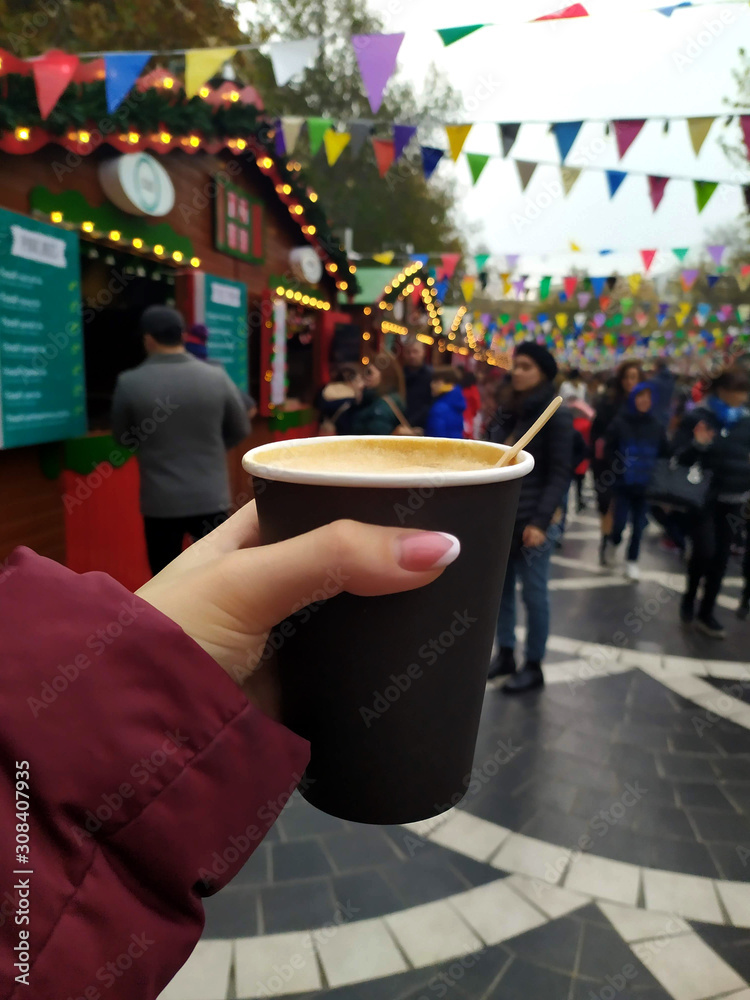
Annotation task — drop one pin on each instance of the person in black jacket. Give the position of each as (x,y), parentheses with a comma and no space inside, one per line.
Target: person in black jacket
(528,393)
(418,378)
(635,440)
(716,437)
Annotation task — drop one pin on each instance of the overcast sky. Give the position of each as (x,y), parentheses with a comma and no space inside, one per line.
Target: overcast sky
(622,62)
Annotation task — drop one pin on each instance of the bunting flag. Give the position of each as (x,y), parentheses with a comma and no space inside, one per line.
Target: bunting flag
(508,135)
(335,143)
(451,35)
(703,192)
(583,299)
(384,154)
(481,259)
(386,257)
(648,258)
(477,162)
(570,285)
(121,70)
(290,59)
(316,130)
(419,258)
(519,286)
(634,281)
(544,287)
(450,263)
(688,277)
(52,73)
(360,131)
(681,253)
(699,129)
(511,259)
(656,188)
(562,320)
(712,279)
(431,156)
(201,64)
(716,253)
(668,11)
(743,278)
(525,172)
(569,176)
(279,144)
(576,10)
(597,285)
(574,247)
(626,132)
(614,180)
(376,56)
(457,135)
(566,133)
(468,284)
(402,136)
(291,126)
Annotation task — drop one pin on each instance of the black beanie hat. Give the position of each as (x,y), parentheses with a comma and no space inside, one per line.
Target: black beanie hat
(540,356)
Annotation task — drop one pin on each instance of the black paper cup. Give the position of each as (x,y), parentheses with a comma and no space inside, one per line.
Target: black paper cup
(389,690)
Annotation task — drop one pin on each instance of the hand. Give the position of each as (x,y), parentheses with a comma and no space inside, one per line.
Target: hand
(227,592)
(408,431)
(702,433)
(533,537)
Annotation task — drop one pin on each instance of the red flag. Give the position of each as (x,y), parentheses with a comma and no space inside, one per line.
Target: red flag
(384,154)
(570,285)
(626,132)
(656,188)
(450,263)
(605,301)
(745,270)
(576,10)
(52,73)
(12,64)
(648,258)
(745,122)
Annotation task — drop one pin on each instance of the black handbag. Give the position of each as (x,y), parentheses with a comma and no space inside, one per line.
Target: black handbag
(681,486)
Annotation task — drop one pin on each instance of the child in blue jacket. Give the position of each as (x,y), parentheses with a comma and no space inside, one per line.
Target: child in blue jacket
(446,417)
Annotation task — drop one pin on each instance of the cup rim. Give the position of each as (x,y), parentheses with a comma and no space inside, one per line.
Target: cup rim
(252,463)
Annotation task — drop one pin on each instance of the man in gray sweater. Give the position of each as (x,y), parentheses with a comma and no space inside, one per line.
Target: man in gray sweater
(179,416)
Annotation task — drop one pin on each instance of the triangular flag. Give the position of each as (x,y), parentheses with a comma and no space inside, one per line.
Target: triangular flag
(626,132)
(583,299)
(597,285)
(569,176)
(576,10)
(635,283)
(402,136)
(570,285)
(544,287)
(519,286)
(605,253)
(431,156)
(335,143)
(508,135)
(481,259)
(384,154)
(743,311)
(419,258)
(656,188)
(703,192)
(712,279)
(565,133)
(477,162)
(699,129)
(745,123)
(450,262)
(648,258)
(511,259)
(451,35)
(716,253)
(668,11)
(681,253)
(562,320)
(360,131)
(574,247)
(290,58)
(291,126)
(385,257)
(376,55)
(456,138)
(201,64)
(121,70)
(614,180)
(468,284)
(525,172)
(688,277)
(316,130)
(52,73)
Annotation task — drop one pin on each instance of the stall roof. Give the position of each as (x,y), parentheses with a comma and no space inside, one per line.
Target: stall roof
(372,283)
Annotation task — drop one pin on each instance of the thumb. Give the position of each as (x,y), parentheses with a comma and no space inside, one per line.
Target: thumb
(271,582)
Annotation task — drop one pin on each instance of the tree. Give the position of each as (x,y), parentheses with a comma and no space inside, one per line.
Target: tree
(394,212)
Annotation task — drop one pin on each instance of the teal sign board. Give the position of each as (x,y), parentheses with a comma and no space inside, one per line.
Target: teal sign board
(42,382)
(226,320)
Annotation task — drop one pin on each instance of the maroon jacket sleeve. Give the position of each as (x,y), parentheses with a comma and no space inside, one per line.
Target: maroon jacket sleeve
(152,780)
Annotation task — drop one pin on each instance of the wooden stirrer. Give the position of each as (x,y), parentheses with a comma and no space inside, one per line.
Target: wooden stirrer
(508,456)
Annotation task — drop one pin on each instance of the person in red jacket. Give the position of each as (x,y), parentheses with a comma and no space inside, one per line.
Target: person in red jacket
(583,418)
(143,760)
(473,401)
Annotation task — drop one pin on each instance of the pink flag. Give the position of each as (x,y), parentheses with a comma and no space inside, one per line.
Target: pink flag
(576,10)
(376,55)
(626,132)
(570,285)
(648,258)
(716,253)
(656,188)
(450,262)
(599,319)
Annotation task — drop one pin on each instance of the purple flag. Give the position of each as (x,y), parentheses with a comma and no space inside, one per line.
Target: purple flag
(689,276)
(511,259)
(716,253)
(520,286)
(402,136)
(278,139)
(583,299)
(376,55)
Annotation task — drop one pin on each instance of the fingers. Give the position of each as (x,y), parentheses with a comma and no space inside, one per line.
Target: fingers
(273,581)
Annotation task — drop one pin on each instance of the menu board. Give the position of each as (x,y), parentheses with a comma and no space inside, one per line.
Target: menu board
(42,382)
(226,319)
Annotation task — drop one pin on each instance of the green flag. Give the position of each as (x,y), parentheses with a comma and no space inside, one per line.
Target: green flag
(544,287)
(451,35)
(681,254)
(316,129)
(477,163)
(481,259)
(703,192)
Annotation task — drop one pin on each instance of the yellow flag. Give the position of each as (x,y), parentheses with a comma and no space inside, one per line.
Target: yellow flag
(699,129)
(562,320)
(457,137)
(635,282)
(573,246)
(467,287)
(335,143)
(201,64)
(684,309)
(385,257)
(507,286)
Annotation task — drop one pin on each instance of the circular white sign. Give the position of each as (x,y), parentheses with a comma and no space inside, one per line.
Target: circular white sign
(138,184)
(306,265)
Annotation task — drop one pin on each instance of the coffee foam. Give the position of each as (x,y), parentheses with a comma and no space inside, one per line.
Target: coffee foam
(397,455)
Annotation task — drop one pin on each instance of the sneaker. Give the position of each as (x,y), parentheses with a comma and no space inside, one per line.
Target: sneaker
(632,572)
(710,626)
(502,664)
(687,611)
(528,679)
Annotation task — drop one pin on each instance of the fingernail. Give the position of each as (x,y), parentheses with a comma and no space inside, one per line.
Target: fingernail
(427,550)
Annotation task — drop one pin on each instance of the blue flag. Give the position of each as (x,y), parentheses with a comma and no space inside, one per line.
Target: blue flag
(430,159)
(668,11)
(121,70)
(597,286)
(615,179)
(565,133)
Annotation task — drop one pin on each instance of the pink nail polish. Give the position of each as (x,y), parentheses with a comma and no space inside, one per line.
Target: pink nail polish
(427,550)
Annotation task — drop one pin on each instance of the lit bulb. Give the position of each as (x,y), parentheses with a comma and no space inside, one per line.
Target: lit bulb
(313,196)
(279,290)
(241,144)
(22,134)
(87,227)
(158,249)
(204,92)
(195,141)
(138,243)
(84,136)
(167,82)
(133,138)
(114,235)
(56,216)
(177,255)
(195,262)
(165,137)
